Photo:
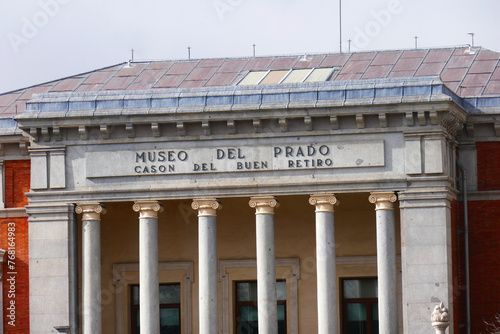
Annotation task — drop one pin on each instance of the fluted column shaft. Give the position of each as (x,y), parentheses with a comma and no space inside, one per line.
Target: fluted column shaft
(325,263)
(266,267)
(91,266)
(386,261)
(149,294)
(207,261)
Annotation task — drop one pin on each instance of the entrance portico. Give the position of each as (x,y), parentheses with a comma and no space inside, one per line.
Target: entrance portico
(297,256)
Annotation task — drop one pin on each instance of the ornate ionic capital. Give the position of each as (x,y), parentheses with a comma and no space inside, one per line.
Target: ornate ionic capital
(147,209)
(206,206)
(90,211)
(264,204)
(324,202)
(383,200)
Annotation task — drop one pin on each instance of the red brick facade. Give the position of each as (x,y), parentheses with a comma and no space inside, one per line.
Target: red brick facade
(488,166)
(484,245)
(14,239)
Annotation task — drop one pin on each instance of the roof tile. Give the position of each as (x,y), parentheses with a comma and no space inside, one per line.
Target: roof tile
(496,74)
(401,74)
(191,84)
(437,56)
(35,90)
(460,61)
(133,70)
(453,74)
(99,77)
(493,88)
(230,65)
(355,67)
(350,76)
(183,67)
(169,81)
(149,76)
(89,88)
(386,58)
(429,69)
(282,63)
(335,60)
(483,66)
(67,85)
(211,63)
(488,55)
(203,73)
(314,61)
(363,56)
(15,108)
(7,99)
(471,91)
(256,64)
(407,64)
(140,86)
(475,80)
(374,72)
(160,65)
(453,86)
(414,54)
(221,79)
(118,83)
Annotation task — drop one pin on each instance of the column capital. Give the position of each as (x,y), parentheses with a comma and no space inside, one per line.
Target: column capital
(263,204)
(147,209)
(206,206)
(324,202)
(90,211)
(383,200)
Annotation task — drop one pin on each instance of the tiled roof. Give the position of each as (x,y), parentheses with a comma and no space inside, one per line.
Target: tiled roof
(468,74)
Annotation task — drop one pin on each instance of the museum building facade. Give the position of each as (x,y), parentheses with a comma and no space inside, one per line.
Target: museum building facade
(293,194)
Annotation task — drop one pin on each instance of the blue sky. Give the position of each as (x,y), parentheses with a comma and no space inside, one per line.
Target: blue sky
(43,40)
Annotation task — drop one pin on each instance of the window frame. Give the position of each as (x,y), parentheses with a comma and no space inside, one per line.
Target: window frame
(136,307)
(125,274)
(367,301)
(237,312)
(287,269)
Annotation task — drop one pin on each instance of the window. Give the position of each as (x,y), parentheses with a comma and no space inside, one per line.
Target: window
(246,307)
(359,306)
(170,309)
(287,76)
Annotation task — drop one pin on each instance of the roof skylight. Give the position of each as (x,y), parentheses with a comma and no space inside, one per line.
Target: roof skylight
(271,77)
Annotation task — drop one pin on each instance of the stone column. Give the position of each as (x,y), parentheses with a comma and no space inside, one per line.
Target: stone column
(325,263)
(91,266)
(207,262)
(266,268)
(386,261)
(149,285)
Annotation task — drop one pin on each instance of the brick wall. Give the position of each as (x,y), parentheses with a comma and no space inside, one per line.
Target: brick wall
(484,255)
(488,165)
(17,183)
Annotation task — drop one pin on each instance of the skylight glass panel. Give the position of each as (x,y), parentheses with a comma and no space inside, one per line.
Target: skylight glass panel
(319,74)
(274,77)
(253,78)
(296,76)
